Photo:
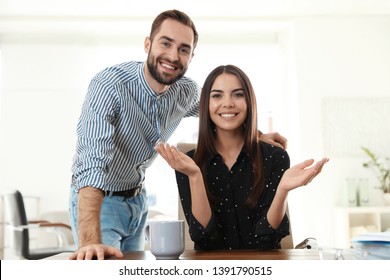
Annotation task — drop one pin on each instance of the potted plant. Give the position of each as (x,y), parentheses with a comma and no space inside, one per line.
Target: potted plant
(381,169)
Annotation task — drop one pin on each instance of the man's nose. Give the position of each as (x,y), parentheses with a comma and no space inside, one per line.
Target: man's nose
(173,54)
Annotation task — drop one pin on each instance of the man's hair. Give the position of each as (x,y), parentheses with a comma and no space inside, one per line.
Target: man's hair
(174,15)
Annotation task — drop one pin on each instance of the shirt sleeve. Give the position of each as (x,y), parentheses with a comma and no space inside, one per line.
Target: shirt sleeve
(274,171)
(194,106)
(203,237)
(95,132)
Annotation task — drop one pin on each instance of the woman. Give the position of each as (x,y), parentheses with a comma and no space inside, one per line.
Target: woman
(234,188)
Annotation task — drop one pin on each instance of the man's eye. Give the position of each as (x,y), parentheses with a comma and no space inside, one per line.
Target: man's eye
(165,44)
(185,51)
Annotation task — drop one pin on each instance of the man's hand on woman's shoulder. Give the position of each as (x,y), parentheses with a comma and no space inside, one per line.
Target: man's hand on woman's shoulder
(273,138)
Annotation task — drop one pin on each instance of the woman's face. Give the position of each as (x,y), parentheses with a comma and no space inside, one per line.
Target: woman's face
(227,107)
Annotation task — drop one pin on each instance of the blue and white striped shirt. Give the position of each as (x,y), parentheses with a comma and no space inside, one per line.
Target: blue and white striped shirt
(120,123)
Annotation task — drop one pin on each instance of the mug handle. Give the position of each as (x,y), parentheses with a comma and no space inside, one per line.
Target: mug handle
(147,233)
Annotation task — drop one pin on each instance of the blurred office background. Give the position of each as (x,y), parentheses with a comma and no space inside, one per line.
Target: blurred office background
(321,70)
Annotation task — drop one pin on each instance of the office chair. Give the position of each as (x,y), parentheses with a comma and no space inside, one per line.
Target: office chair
(20,226)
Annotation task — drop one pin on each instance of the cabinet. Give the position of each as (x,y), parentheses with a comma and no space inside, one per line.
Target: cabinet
(350,221)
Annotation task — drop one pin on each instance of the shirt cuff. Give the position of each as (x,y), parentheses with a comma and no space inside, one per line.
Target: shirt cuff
(263,227)
(198,232)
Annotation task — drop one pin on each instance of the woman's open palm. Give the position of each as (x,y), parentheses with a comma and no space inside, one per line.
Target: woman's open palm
(177,160)
(301,174)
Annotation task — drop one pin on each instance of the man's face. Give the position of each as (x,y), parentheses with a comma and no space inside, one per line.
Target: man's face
(170,52)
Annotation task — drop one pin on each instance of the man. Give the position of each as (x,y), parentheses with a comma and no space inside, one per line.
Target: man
(128,109)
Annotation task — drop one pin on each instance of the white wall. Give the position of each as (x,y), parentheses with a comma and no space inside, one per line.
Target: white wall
(51,49)
(338,57)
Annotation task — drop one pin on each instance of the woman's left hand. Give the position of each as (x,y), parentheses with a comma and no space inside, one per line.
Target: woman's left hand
(301,174)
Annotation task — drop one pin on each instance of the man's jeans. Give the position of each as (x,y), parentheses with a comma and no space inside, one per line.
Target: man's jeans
(122,220)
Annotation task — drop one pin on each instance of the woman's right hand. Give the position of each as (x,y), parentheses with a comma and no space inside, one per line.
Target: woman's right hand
(177,160)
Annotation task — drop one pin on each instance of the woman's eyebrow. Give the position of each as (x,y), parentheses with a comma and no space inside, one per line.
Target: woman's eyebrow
(234,90)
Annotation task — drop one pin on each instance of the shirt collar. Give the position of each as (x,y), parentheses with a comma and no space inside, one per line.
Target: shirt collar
(216,157)
(144,83)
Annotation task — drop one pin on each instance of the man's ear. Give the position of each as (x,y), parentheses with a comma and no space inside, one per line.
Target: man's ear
(147,44)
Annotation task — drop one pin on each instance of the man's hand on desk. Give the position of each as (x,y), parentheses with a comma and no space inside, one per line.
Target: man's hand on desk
(99,251)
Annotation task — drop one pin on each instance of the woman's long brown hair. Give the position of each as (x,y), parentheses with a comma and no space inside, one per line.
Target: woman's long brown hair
(207,138)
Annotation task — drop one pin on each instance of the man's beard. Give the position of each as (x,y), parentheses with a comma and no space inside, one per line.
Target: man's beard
(162,78)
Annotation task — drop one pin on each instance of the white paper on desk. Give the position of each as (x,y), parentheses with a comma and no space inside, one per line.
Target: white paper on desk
(381,237)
